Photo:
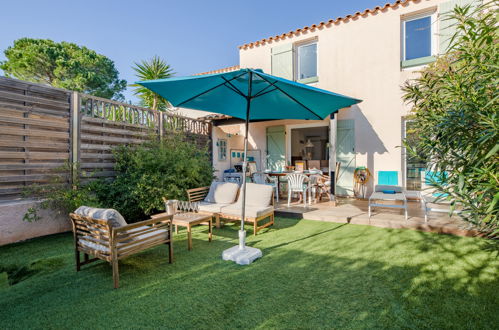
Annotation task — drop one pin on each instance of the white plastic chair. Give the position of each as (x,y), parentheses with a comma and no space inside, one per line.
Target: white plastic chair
(296,184)
(263,178)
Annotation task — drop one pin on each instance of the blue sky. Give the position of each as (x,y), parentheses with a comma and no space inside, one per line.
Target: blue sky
(191,35)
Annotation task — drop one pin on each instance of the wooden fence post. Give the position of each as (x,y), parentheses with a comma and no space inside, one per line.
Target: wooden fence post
(75,136)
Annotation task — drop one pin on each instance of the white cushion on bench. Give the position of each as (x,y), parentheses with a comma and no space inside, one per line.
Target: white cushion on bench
(102,246)
(211,207)
(251,211)
(222,192)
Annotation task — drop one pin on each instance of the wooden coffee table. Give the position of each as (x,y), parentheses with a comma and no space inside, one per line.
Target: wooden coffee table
(190,219)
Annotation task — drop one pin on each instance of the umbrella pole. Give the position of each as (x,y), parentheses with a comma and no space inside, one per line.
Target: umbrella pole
(242,254)
(242,233)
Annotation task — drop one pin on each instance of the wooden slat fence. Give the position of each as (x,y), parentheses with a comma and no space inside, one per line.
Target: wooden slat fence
(43,128)
(35,135)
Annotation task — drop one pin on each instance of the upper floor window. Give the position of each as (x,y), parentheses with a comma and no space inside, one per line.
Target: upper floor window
(306,62)
(418,40)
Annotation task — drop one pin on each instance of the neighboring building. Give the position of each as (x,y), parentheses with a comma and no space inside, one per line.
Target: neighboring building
(368,55)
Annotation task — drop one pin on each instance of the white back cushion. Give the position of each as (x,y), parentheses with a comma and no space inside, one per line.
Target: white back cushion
(257,195)
(110,215)
(222,192)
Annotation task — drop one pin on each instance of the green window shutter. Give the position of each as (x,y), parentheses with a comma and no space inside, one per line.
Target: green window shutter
(447,26)
(282,61)
(276,148)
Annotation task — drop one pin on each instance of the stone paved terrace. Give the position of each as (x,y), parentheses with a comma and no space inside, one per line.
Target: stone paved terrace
(350,210)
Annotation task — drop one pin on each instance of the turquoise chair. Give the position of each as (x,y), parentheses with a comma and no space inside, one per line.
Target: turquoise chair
(388,189)
(429,197)
(388,178)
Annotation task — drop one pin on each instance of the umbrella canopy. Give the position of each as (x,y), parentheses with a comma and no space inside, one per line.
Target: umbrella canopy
(271,97)
(250,95)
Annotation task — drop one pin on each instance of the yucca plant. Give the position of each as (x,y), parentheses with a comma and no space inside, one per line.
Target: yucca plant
(155,68)
(456,117)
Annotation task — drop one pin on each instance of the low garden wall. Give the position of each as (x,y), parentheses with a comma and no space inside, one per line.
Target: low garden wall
(13,228)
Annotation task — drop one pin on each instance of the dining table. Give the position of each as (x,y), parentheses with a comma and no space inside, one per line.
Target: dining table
(280,174)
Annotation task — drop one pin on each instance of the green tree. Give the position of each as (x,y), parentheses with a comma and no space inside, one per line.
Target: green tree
(456,117)
(152,69)
(65,65)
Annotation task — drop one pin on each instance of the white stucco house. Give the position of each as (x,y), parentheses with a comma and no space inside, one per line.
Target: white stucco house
(367,55)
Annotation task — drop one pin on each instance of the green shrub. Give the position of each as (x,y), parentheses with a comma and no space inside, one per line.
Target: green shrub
(455,111)
(147,172)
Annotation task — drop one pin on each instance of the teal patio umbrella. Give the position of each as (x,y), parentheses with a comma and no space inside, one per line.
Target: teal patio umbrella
(251,95)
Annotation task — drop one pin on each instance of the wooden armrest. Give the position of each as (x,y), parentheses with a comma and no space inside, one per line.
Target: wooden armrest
(197,194)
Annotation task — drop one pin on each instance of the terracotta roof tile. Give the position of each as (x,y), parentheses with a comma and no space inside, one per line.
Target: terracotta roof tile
(227,69)
(328,23)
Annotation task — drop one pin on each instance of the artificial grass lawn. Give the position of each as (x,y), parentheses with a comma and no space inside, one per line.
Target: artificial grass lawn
(313,275)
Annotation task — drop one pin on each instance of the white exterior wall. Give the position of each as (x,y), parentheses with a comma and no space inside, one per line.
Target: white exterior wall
(359,58)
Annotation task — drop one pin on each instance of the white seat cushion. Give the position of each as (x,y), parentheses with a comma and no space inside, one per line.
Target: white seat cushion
(211,207)
(103,246)
(222,192)
(251,211)
(388,197)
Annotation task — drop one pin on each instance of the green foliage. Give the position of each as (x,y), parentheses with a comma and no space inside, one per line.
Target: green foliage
(65,65)
(156,169)
(145,174)
(455,110)
(60,196)
(31,215)
(155,68)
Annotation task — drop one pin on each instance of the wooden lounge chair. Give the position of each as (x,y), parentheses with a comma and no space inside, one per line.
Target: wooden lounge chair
(105,235)
(259,206)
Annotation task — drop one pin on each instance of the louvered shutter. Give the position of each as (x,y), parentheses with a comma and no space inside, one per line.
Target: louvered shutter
(282,61)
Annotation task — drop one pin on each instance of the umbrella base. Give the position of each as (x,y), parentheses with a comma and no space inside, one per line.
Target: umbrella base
(242,256)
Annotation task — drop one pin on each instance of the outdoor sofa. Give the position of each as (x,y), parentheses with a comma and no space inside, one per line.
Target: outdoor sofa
(104,234)
(214,199)
(211,199)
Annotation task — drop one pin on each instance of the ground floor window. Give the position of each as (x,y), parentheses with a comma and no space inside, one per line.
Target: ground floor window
(414,164)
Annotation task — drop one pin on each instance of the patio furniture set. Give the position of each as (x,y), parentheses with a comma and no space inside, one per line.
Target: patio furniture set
(105,235)
(310,185)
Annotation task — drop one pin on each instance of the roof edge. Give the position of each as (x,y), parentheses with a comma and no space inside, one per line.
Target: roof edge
(222,70)
(327,23)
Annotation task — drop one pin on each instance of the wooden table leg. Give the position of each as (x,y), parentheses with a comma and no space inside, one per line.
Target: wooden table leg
(210,231)
(189,238)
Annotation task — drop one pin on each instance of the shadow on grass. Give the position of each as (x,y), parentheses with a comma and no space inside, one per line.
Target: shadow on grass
(312,275)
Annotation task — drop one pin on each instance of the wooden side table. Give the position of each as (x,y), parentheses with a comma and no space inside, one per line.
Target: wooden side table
(190,219)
